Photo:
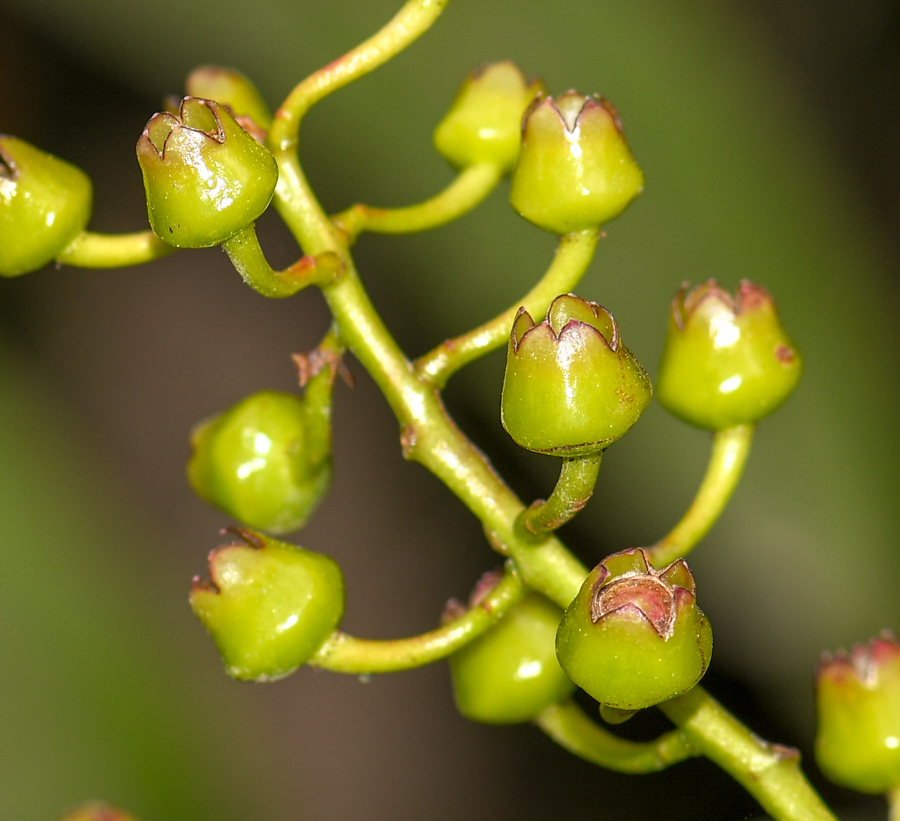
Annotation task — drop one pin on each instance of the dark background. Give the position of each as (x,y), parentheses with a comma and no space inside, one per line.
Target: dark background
(768,132)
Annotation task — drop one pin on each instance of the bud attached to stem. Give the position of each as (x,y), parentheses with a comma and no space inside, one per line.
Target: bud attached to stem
(205,177)
(727,360)
(266,461)
(510,673)
(231,88)
(269,606)
(484,123)
(634,637)
(858,705)
(571,387)
(45,203)
(575,170)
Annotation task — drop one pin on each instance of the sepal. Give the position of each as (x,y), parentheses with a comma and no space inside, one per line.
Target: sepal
(634,637)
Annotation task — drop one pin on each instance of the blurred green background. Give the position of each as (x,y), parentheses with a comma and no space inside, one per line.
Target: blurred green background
(768,133)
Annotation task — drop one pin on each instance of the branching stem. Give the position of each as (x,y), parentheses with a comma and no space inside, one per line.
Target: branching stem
(575,487)
(729,454)
(770,773)
(467,190)
(573,255)
(250,262)
(567,724)
(345,654)
(90,250)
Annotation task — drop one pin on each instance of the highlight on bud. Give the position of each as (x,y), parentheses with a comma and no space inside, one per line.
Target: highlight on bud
(97,811)
(45,203)
(262,461)
(205,177)
(575,170)
(727,360)
(634,637)
(510,673)
(571,387)
(484,124)
(858,707)
(269,605)
(231,88)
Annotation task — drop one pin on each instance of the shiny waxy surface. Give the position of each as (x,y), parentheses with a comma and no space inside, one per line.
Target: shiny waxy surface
(484,123)
(205,177)
(45,203)
(634,637)
(726,361)
(509,674)
(255,462)
(269,607)
(575,170)
(858,705)
(570,386)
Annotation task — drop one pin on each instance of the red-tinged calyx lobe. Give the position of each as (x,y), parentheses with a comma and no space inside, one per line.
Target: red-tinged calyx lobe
(634,636)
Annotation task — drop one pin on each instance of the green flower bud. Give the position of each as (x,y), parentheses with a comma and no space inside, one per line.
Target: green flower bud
(726,361)
(634,636)
(97,811)
(233,89)
(510,673)
(858,705)
(571,387)
(484,123)
(575,170)
(270,605)
(204,176)
(256,462)
(45,203)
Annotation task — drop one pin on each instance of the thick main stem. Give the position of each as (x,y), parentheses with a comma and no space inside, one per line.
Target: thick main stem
(771,774)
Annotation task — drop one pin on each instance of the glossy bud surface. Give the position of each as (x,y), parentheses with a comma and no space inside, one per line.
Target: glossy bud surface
(727,360)
(484,123)
(205,177)
(571,387)
(231,88)
(575,170)
(270,605)
(510,673)
(97,811)
(858,706)
(255,462)
(634,637)
(45,203)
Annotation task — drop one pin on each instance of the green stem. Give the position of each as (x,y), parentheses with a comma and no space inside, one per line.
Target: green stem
(413,20)
(573,255)
(466,191)
(726,464)
(90,250)
(893,798)
(345,654)
(430,438)
(317,375)
(247,256)
(574,488)
(567,724)
(771,774)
